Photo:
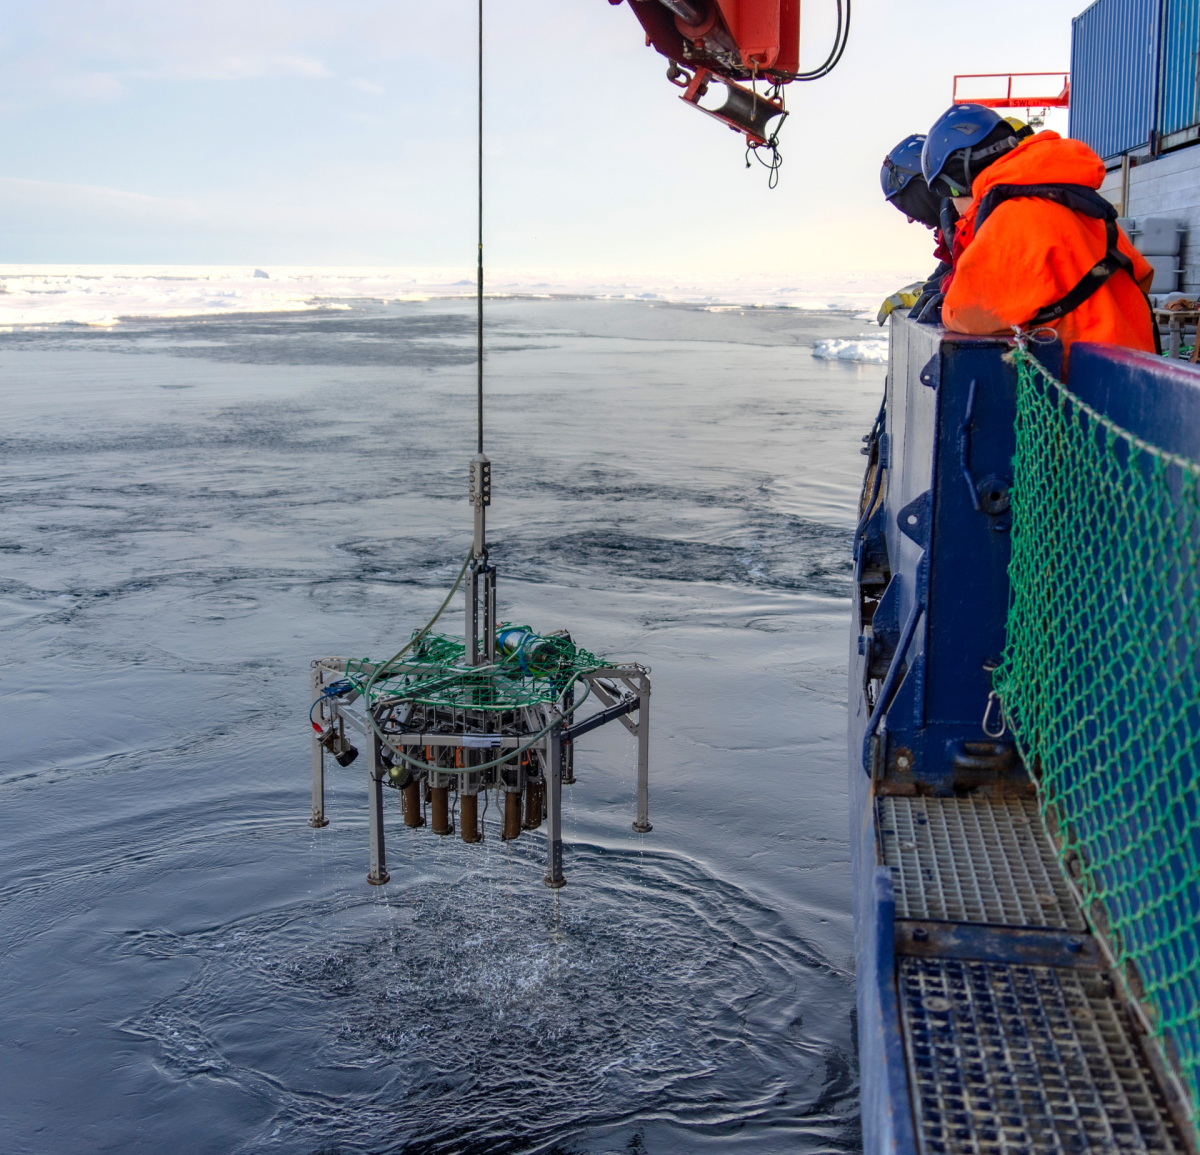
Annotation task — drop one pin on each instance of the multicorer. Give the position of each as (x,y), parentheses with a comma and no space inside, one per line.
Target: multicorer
(495,713)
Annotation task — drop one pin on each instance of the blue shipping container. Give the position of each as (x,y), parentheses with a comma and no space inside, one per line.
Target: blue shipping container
(1114,58)
(1178,90)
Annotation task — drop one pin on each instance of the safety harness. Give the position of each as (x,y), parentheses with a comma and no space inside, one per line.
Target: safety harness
(1080,199)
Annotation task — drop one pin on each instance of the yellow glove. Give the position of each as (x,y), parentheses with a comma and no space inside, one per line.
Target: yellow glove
(901,299)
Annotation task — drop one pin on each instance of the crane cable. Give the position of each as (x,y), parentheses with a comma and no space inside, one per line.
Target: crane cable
(479,279)
(420,634)
(418,637)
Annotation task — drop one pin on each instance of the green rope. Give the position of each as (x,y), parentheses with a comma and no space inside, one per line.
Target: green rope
(435,675)
(1100,684)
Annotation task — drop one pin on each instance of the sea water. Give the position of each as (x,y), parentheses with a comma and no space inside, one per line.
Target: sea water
(194,509)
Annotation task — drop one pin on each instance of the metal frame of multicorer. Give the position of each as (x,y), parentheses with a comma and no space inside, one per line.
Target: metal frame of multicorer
(530,783)
(441,758)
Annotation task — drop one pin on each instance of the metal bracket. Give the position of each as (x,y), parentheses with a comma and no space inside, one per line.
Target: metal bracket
(611,697)
(931,375)
(744,110)
(1026,946)
(599,719)
(964,446)
(913,519)
(888,690)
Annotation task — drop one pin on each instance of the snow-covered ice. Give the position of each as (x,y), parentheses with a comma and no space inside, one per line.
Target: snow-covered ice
(106,294)
(871,350)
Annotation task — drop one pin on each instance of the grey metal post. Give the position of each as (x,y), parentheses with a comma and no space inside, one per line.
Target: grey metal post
(489,616)
(479,492)
(472,631)
(642,825)
(318,818)
(379,874)
(554,872)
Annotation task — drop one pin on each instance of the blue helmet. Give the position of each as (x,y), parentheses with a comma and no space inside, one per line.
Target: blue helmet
(901,165)
(903,184)
(964,140)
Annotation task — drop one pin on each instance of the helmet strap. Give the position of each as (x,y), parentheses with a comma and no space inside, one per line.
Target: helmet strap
(1009,142)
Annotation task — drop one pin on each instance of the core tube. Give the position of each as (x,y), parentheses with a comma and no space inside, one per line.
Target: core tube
(410,802)
(534,792)
(512,815)
(439,808)
(468,810)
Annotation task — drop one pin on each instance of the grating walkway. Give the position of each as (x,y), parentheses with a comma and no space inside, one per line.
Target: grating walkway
(1013,1060)
(974,860)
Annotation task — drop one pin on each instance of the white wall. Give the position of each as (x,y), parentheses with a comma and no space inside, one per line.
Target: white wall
(1168,186)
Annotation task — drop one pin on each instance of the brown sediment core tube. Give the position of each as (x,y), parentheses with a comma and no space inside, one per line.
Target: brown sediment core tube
(512,815)
(410,801)
(533,805)
(439,807)
(468,811)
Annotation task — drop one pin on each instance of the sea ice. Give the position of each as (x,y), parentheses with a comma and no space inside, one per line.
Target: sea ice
(106,294)
(872,351)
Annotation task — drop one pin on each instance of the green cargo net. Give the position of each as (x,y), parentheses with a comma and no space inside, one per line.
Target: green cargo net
(1101,685)
(530,670)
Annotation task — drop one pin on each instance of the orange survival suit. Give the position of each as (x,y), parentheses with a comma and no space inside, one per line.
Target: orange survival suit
(1029,252)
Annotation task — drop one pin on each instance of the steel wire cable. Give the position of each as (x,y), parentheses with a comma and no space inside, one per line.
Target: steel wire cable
(479,277)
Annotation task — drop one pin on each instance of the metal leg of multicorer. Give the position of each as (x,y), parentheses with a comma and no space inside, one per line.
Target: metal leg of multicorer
(318,818)
(375,772)
(642,825)
(554,751)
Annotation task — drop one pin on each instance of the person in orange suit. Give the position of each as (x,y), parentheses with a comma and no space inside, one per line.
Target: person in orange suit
(1036,245)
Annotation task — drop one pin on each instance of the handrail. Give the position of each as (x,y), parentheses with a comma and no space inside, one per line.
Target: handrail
(1008,100)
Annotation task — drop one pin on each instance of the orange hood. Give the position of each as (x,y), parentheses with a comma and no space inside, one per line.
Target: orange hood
(1043,159)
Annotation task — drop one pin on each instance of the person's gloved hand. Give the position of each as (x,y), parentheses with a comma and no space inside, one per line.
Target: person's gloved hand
(931,311)
(901,299)
(921,302)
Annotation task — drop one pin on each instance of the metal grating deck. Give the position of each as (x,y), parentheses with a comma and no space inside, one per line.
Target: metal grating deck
(968,860)
(1013,1060)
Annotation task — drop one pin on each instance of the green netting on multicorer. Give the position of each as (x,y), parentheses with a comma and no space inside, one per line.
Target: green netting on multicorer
(530,670)
(1100,682)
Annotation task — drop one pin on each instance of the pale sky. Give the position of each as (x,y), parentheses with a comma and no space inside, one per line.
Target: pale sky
(342,132)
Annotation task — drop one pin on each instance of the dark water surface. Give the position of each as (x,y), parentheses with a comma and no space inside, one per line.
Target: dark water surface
(194,510)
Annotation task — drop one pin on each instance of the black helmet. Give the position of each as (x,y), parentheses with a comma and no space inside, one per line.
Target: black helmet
(964,140)
(903,184)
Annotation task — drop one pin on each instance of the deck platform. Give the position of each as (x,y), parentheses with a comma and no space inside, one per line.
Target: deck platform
(1015,1040)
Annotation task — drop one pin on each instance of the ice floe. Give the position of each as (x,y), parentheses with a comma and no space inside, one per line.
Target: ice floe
(871,351)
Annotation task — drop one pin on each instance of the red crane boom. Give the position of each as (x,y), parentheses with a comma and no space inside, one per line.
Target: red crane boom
(732,41)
